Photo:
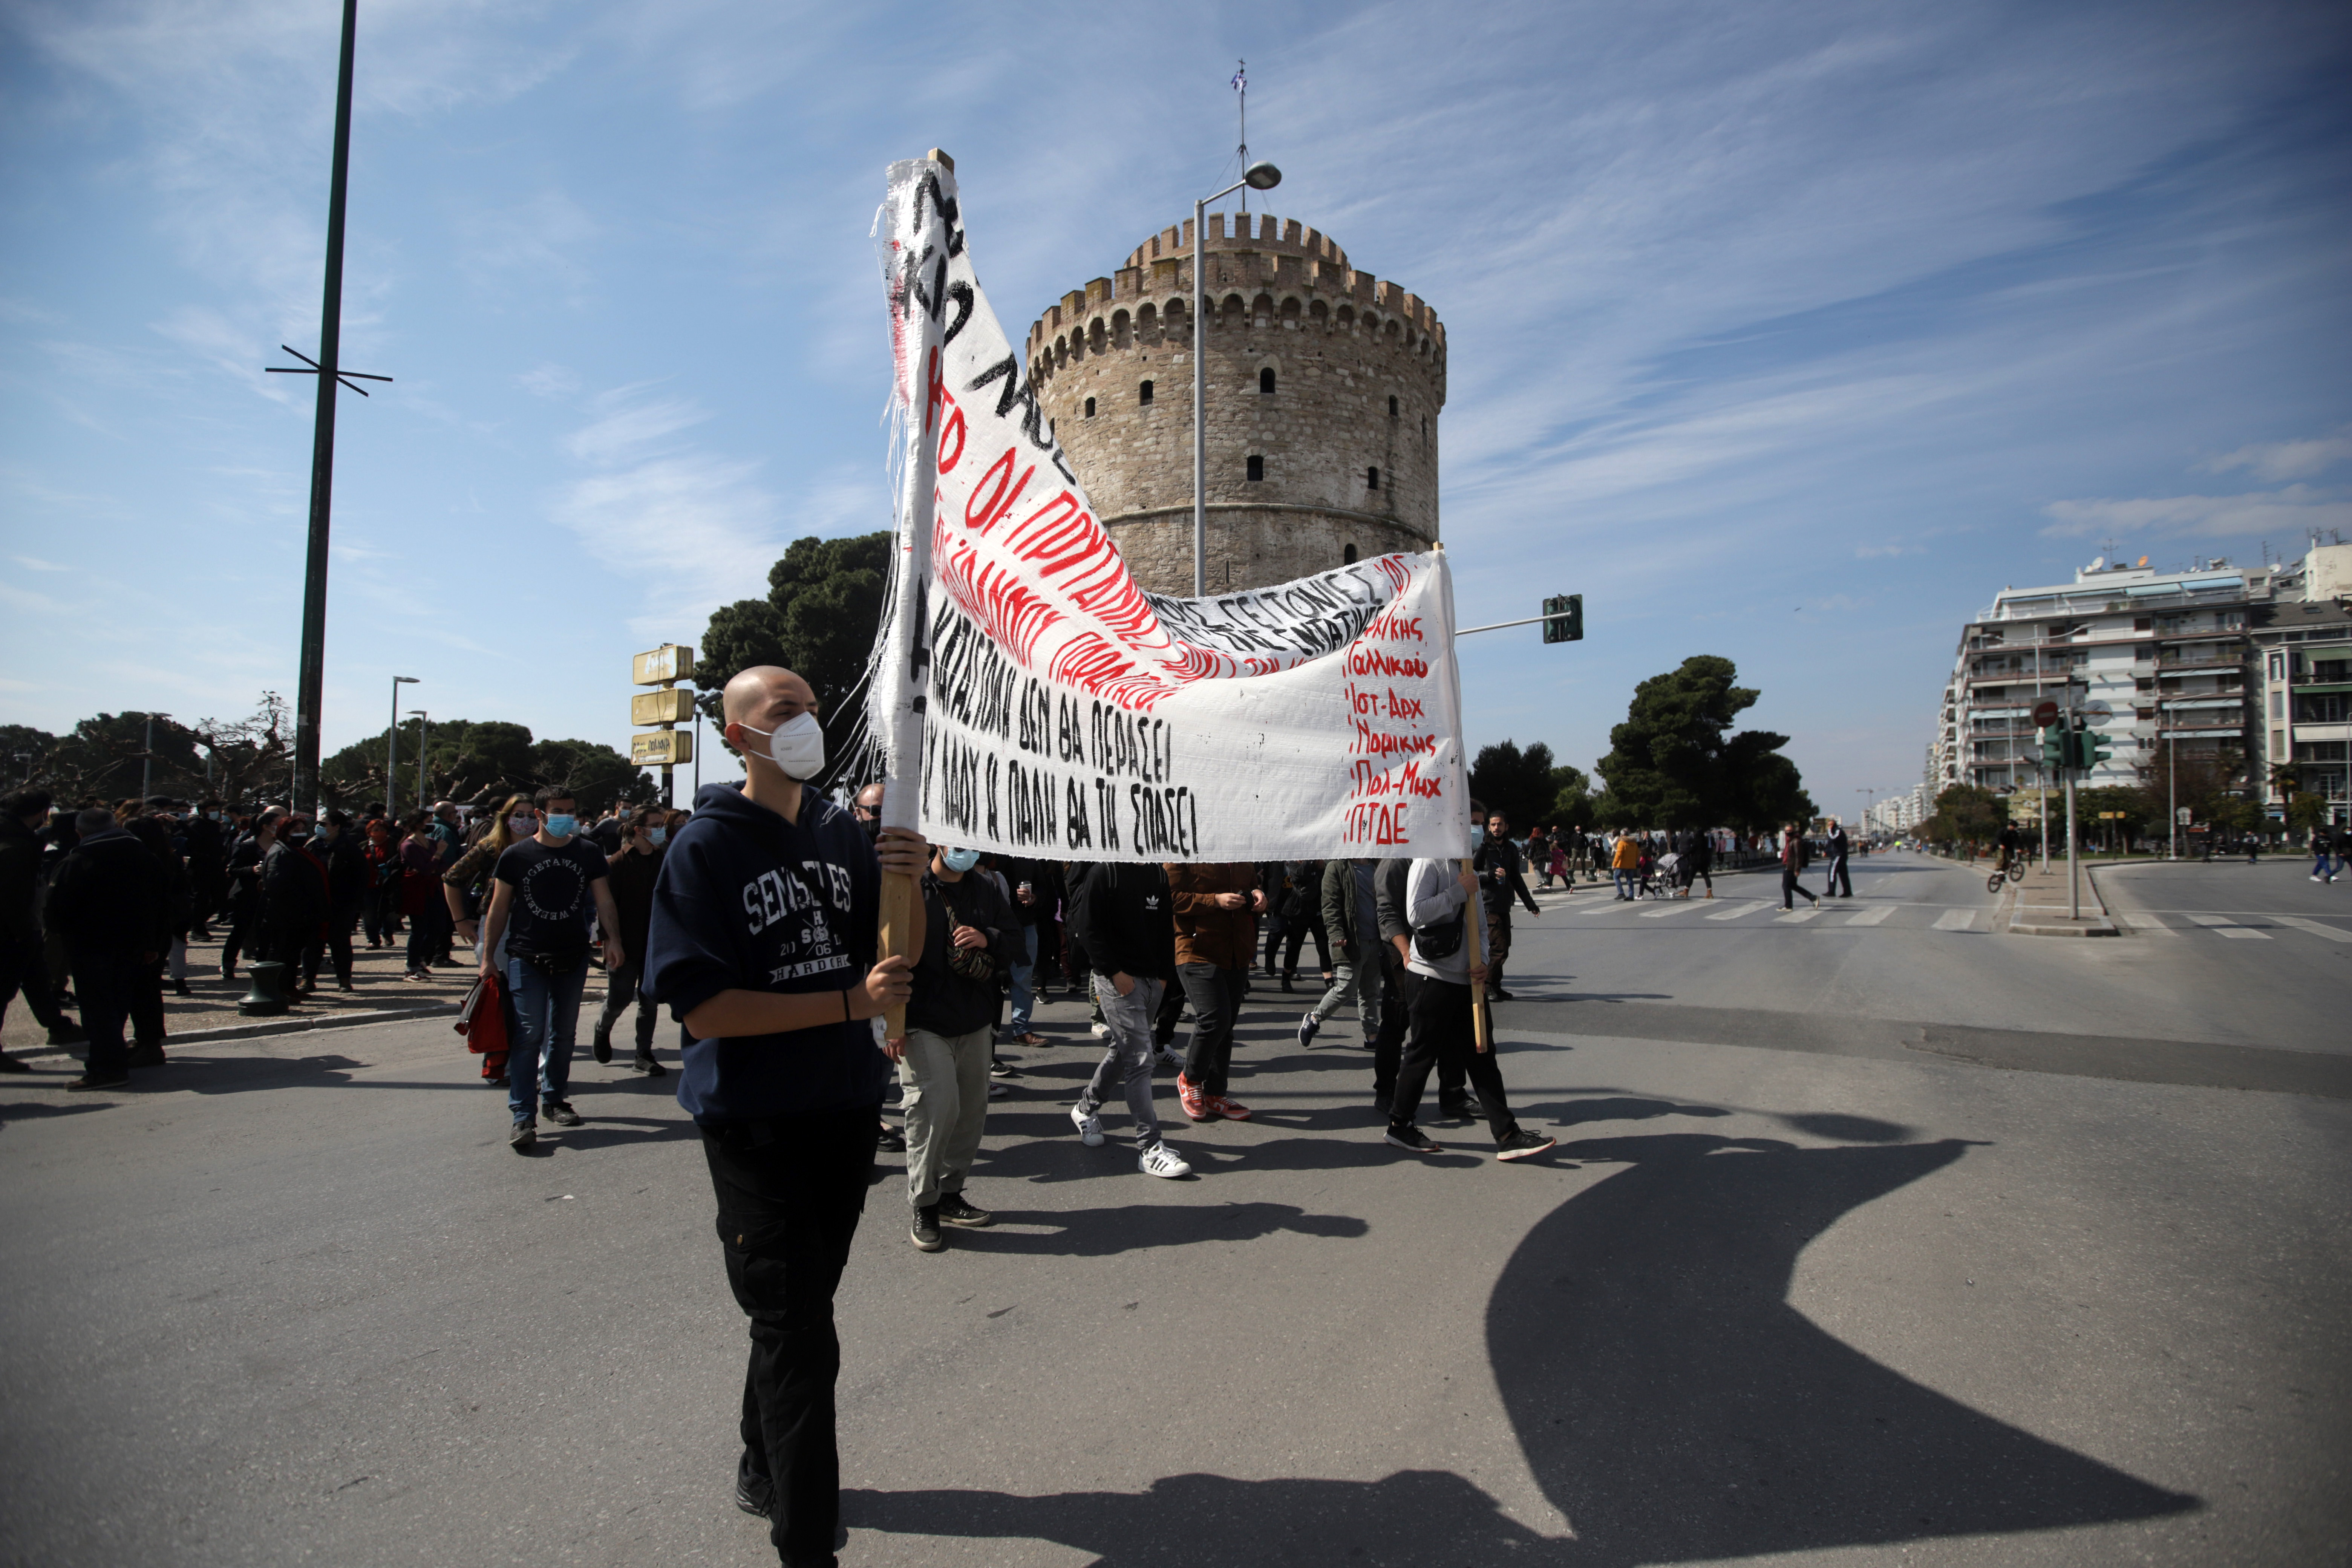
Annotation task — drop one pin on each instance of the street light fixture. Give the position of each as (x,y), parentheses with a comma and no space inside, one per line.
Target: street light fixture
(392,755)
(1259,176)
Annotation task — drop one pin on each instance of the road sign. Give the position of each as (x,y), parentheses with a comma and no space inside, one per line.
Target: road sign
(662,748)
(663,665)
(2096,708)
(2045,713)
(2181,817)
(671,705)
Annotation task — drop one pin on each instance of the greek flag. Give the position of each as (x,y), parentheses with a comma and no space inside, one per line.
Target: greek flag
(1241,82)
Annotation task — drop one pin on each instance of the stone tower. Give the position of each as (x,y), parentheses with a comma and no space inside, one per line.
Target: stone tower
(1324,391)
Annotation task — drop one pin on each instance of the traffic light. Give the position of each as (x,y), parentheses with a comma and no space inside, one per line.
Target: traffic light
(1564,619)
(2096,748)
(2053,750)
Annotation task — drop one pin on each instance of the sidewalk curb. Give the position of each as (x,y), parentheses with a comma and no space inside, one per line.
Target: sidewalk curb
(275,1026)
(2101,924)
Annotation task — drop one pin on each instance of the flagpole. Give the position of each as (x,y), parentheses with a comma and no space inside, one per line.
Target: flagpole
(1474,918)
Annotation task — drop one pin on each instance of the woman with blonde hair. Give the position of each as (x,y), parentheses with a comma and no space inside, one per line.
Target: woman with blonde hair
(465,884)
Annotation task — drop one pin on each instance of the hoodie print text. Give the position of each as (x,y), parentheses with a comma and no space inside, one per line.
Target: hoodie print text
(779,901)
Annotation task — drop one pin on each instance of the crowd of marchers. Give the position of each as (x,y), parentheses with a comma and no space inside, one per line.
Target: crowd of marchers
(100,902)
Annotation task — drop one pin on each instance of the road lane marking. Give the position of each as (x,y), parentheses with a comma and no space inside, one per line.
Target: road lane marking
(1799,917)
(2222,925)
(1955,920)
(1871,917)
(1732,914)
(2333,933)
(1677,907)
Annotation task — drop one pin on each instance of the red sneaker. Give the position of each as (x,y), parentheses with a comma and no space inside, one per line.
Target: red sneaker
(1231,1109)
(1188,1095)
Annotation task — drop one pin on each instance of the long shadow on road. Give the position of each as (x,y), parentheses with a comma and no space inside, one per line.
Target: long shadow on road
(1669,1401)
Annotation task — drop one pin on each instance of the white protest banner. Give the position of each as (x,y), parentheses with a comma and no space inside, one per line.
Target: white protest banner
(1032,699)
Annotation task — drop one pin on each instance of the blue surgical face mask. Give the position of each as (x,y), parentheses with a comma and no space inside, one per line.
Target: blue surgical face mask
(658,834)
(960,860)
(1477,836)
(561,825)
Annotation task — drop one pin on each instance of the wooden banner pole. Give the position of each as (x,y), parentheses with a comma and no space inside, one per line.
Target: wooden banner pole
(898,919)
(1473,915)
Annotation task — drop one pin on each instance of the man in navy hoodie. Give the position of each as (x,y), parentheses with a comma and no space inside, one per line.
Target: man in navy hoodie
(763,945)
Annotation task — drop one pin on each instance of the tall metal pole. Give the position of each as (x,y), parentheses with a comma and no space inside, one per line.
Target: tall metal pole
(309,686)
(147,764)
(2074,879)
(392,752)
(2171,784)
(424,736)
(1200,403)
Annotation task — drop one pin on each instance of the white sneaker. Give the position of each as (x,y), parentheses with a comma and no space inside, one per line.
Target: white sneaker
(1159,1160)
(1102,1031)
(1089,1126)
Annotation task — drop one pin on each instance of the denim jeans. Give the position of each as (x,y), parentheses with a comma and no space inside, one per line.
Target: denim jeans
(1025,997)
(1216,997)
(547,1017)
(1360,975)
(1127,1054)
(1624,880)
(622,986)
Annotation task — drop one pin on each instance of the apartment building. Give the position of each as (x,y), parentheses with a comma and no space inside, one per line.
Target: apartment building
(2303,648)
(2248,665)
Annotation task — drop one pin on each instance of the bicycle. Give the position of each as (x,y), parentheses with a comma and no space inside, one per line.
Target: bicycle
(2013,872)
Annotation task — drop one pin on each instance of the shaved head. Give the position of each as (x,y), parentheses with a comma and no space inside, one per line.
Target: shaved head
(751,696)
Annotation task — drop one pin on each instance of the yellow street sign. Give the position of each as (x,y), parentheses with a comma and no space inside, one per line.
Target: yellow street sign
(662,748)
(671,705)
(665,664)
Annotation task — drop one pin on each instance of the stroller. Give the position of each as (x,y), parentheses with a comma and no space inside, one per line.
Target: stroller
(1662,877)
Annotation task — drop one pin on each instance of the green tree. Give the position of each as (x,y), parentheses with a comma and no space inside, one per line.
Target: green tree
(1573,805)
(597,774)
(1967,814)
(1516,783)
(1672,764)
(820,619)
(2306,811)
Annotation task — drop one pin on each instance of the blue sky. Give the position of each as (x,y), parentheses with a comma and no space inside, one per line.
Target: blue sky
(1785,332)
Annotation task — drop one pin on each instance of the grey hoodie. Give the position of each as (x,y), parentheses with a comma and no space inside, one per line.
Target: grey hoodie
(1434,895)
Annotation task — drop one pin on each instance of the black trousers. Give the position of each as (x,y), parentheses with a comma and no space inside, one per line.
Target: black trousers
(1170,1013)
(244,934)
(108,984)
(1837,875)
(1788,884)
(1216,997)
(1388,1046)
(1440,1012)
(1498,946)
(789,1192)
(1296,936)
(23,967)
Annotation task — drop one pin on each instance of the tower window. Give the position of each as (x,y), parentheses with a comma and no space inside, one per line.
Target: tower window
(1266,381)
(1143,393)
(1256,466)
(1371,479)
(1090,407)
(1348,556)
(1393,406)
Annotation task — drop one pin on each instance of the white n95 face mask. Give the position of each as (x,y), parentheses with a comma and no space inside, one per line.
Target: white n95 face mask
(797,746)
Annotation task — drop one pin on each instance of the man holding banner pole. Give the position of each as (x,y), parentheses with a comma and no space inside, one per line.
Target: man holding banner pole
(762,944)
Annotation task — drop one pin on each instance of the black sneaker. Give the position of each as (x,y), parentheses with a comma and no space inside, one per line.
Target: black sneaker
(1520,1143)
(560,1112)
(956,1209)
(525,1136)
(1003,1069)
(1414,1139)
(603,1047)
(924,1232)
(1498,994)
(754,1495)
(889,1140)
(1456,1111)
(95,1081)
(645,1064)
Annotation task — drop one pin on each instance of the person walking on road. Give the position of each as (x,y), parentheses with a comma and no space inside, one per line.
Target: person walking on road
(23,965)
(634,872)
(108,902)
(1214,933)
(1502,877)
(943,1060)
(1440,991)
(2321,843)
(1351,919)
(247,904)
(545,888)
(1840,847)
(763,945)
(1625,863)
(1794,852)
(1698,862)
(1125,925)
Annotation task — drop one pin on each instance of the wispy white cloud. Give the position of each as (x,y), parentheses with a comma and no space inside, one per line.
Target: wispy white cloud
(2286,513)
(549,381)
(2278,460)
(631,429)
(32,564)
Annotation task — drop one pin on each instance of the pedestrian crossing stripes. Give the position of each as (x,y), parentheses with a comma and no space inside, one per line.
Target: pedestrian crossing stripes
(2333,933)
(1957,920)
(1674,909)
(2225,926)
(1739,911)
(1799,917)
(1871,917)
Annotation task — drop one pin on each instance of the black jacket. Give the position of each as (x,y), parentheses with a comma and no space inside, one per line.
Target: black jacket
(347,870)
(20,881)
(1125,919)
(944,1002)
(109,897)
(631,878)
(1501,854)
(294,889)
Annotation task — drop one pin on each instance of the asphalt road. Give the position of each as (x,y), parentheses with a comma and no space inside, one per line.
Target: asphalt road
(1896,1241)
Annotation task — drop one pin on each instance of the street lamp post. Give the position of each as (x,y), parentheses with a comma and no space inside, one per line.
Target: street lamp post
(147,762)
(392,755)
(1259,176)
